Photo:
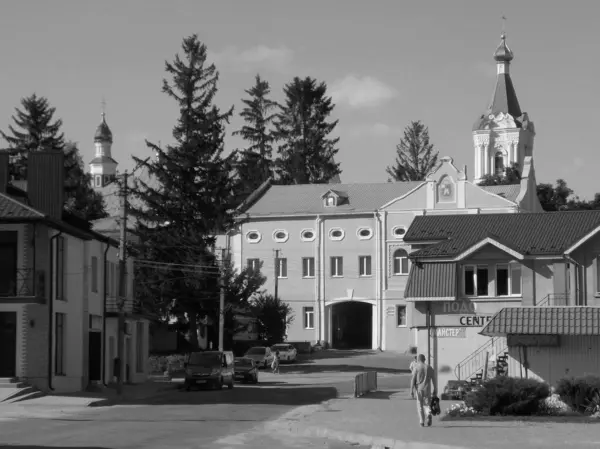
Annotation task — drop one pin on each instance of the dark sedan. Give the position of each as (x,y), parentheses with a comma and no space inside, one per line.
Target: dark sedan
(246,370)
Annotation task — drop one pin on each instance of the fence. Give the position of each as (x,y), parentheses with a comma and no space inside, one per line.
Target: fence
(364,383)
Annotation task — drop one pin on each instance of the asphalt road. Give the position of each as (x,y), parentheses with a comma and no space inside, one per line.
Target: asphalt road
(176,419)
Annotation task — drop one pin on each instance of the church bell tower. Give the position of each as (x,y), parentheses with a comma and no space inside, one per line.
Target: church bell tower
(503,134)
(103,168)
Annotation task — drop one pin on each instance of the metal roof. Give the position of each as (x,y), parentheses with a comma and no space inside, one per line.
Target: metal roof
(509,191)
(306,198)
(431,282)
(544,321)
(544,233)
(15,210)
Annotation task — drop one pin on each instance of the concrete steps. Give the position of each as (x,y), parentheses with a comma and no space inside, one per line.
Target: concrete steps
(13,390)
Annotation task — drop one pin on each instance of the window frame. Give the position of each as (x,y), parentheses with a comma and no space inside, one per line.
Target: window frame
(476,288)
(308,314)
(305,239)
(281,239)
(405,314)
(362,237)
(399,237)
(365,262)
(60,260)
(308,267)
(253,241)
(339,262)
(336,239)
(251,262)
(399,259)
(282,271)
(328,199)
(510,267)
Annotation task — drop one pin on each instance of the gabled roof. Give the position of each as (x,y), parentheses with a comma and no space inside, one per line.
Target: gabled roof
(544,321)
(336,193)
(545,233)
(306,198)
(11,209)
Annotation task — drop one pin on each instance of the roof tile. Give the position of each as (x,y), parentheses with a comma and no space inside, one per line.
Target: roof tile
(14,210)
(431,282)
(544,233)
(544,321)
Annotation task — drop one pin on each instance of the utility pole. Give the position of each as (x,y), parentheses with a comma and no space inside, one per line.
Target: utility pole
(122,284)
(276,273)
(222,300)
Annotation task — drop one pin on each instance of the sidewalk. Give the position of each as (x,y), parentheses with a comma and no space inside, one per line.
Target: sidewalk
(389,419)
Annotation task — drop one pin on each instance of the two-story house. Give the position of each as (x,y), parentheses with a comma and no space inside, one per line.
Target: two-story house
(53,301)
(479,276)
(337,253)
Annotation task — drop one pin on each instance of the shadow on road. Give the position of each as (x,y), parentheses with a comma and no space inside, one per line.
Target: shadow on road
(380,394)
(268,393)
(309,367)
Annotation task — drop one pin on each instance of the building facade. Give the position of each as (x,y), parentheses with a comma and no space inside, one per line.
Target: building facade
(53,310)
(337,254)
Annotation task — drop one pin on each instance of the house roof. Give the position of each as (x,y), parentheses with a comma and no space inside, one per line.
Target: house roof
(13,210)
(306,198)
(509,192)
(544,321)
(431,282)
(544,233)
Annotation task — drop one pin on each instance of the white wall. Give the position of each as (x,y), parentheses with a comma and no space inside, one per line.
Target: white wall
(138,371)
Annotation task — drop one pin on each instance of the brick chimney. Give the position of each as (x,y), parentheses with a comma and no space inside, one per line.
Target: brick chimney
(4,174)
(46,182)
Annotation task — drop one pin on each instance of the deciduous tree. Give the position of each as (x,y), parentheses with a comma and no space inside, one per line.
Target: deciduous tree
(272,316)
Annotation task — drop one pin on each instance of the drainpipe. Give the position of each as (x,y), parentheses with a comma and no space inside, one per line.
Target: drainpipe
(51,310)
(428,321)
(378,271)
(318,267)
(105,281)
(322,280)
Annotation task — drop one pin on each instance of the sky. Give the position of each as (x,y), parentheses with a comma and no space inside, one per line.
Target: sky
(385,62)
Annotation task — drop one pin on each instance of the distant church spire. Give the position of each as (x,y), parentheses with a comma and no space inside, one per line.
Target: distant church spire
(103,167)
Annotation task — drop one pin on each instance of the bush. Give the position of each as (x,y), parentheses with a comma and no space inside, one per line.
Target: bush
(508,396)
(582,394)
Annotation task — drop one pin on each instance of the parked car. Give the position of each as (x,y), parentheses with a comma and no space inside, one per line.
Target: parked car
(261,355)
(246,370)
(287,352)
(210,368)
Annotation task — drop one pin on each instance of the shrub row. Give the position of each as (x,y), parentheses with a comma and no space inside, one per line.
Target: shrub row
(514,396)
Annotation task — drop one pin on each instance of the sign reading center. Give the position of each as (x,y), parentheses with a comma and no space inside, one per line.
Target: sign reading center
(475,320)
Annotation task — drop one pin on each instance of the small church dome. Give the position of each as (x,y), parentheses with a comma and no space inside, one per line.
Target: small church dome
(503,53)
(103,133)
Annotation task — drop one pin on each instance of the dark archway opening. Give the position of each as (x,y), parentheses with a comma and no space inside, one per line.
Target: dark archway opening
(352,325)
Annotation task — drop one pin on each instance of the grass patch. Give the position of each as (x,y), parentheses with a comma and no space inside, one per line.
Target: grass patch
(566,418)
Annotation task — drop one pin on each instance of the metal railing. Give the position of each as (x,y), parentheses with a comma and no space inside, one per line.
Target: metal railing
(21,283)
(554,300)
(476,360)
(130,306)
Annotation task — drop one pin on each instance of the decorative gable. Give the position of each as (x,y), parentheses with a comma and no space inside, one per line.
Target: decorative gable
(334,198)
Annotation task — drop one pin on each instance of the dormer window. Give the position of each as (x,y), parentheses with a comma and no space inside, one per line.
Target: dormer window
(334,198)
(330,201)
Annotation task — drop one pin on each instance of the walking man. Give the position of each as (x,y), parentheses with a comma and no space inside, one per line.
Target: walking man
(423,384)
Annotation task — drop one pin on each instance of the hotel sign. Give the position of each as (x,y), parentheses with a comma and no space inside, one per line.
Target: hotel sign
(451,332)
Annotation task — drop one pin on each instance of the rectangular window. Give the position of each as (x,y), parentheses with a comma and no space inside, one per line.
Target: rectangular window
(364,265)
(400,262)
(309,318)
(95,274)
(469,281)
(308,267)
(401,316)
(482,281)
(60,269)
(253,264)
(139,347)
(337,267)
(281,267)
(113,279)
(502,280)
(8,263)
(59,344)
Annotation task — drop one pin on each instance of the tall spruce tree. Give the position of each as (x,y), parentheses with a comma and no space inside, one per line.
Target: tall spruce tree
(35,129)
(306,152)
(189,198)
(416,156)
(255,164)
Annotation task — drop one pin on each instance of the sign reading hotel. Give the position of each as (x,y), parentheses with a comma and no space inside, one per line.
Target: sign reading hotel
(451,332)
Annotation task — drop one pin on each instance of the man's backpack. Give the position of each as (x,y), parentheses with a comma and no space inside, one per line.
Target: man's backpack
(435,406)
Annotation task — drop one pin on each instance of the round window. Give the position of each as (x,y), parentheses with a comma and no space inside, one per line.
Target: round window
(365,232)
(400,231)
(308,235)
(280,235)
(337,233)
(253,236)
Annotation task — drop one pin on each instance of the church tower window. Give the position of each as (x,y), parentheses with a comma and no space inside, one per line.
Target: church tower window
(499,164)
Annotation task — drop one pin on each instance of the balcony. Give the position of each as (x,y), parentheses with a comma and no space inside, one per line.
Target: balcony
(130,305)
(22,284)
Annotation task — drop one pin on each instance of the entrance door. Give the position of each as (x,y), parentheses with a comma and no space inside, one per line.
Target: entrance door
(95,356)
(8,344)
(352,325)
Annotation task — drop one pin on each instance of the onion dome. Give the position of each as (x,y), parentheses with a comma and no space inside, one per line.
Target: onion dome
(103,133)
(503,53)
